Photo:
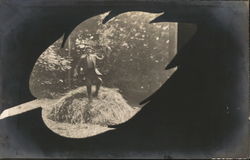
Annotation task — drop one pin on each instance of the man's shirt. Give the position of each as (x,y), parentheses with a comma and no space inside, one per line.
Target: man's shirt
(89,60)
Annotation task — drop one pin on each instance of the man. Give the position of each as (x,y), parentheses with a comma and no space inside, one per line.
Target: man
(91,73)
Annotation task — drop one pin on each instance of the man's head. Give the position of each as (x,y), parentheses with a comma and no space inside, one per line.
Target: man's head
(89,50)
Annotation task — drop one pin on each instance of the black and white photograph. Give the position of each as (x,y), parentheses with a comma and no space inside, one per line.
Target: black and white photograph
(102,73)
(130,79)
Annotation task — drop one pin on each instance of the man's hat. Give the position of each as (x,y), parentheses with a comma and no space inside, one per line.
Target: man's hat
(88,47)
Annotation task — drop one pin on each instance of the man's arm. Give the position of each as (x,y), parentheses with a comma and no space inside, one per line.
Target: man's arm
(78,64)
(100,58)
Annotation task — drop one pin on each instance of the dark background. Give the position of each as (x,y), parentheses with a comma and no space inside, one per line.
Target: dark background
(200,112)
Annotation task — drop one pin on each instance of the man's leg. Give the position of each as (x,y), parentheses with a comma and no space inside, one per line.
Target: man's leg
(89,89)
(98,85)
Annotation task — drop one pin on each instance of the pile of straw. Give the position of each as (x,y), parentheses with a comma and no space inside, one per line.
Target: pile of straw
(109,108)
